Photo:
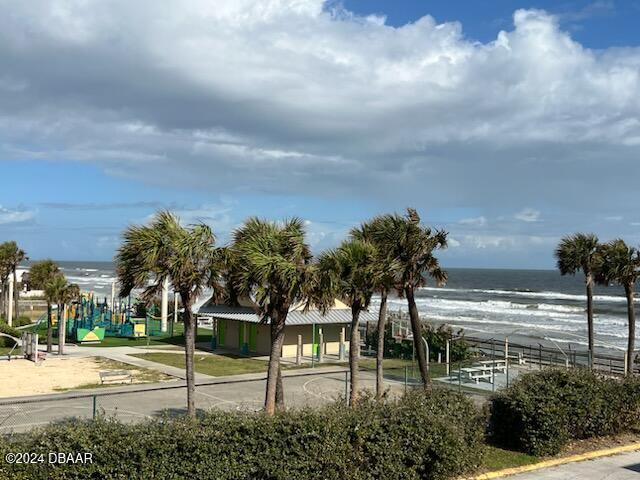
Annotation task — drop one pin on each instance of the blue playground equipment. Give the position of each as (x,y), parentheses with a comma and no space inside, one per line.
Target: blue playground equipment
(92,320)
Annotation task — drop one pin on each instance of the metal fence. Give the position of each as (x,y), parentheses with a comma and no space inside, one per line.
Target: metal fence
(532,356)
(137,403)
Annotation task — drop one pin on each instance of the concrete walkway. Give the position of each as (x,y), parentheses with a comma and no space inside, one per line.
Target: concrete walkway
(123,354)
(618,467)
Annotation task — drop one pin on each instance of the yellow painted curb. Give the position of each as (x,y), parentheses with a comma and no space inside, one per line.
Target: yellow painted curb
(558,461)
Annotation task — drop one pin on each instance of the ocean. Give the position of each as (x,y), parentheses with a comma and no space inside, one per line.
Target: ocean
(539,304)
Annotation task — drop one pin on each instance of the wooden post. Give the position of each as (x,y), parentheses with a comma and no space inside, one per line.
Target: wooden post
(506,349)
(62,330)
(447,355)
(341,352)
(320,346)
(299,351)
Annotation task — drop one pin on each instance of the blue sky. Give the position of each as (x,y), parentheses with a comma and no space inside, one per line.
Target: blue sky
(506,123)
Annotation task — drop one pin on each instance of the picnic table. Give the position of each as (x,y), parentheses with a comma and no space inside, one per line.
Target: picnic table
(484,370)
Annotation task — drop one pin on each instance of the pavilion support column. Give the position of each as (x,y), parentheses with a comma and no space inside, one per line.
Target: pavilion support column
(299,351)
(10,309)
(245,340)
(113,296)
(320,346)
(164,307)
(341,353)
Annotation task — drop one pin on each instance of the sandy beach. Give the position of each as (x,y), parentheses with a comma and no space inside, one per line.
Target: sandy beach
(22,377)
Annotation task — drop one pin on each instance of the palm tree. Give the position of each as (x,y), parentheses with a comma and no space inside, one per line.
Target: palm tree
(57,290)
(186,256)
(412,247)
(581,252)
(10,257)
(621,264)
(5,271)
(348,272)
(386,276)
(272,263)
(40,274)
(15,255)
(70,293)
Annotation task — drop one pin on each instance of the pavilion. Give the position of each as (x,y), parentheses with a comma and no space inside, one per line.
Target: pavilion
(239,328)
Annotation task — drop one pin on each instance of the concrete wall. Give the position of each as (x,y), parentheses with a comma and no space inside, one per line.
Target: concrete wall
(331,334)
(331,338)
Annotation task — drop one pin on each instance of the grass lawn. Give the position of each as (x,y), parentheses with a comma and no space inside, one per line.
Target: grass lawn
(219,365)
(204,335)
(396,366)
(497,459)
(139,374)
(6,350)
(215,365)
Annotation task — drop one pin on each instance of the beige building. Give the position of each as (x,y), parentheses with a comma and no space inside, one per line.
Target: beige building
(239,328)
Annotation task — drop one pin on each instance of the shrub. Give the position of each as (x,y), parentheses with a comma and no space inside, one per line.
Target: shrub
(7,342)
(435,435)
(436,337)
(541,412)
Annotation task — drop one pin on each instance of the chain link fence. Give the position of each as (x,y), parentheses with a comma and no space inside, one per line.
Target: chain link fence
(134,404)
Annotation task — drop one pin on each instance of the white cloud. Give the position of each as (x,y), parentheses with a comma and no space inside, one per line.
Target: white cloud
(614,218)
(288,96)
(8,216)
(528,215)
(476,221)
(452,242)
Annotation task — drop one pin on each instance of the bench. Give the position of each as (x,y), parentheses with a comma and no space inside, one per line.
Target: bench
(116,376)
(477,373)
(497,365)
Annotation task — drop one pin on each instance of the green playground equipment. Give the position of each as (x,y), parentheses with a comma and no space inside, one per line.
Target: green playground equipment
(92,321)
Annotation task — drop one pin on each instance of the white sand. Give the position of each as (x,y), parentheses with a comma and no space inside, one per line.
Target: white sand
(23,377)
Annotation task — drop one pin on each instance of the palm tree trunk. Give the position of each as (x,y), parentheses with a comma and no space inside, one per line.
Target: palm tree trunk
(16,296)
(279,391)
(189,350)
(589,282)
(277,338)
(416,329)
(2,302)
(382,319)
(49,329)
(629,290)
(354,350)
(62,330)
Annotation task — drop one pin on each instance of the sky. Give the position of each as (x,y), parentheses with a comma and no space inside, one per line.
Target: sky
(508,124)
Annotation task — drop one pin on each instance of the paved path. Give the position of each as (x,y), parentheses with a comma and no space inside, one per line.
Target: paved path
(238,393)
(123,354)
(625,466)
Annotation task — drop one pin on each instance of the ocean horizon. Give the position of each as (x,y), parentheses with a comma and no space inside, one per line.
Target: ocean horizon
(538,304)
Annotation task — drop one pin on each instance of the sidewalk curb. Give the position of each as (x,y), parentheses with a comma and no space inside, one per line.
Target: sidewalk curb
(558,461)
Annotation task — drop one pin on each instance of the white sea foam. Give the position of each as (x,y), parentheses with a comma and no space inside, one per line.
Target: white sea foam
(521,293)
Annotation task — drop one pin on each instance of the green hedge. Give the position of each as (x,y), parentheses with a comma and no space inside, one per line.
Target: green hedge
(435,435)
(541,412)
(7,342)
